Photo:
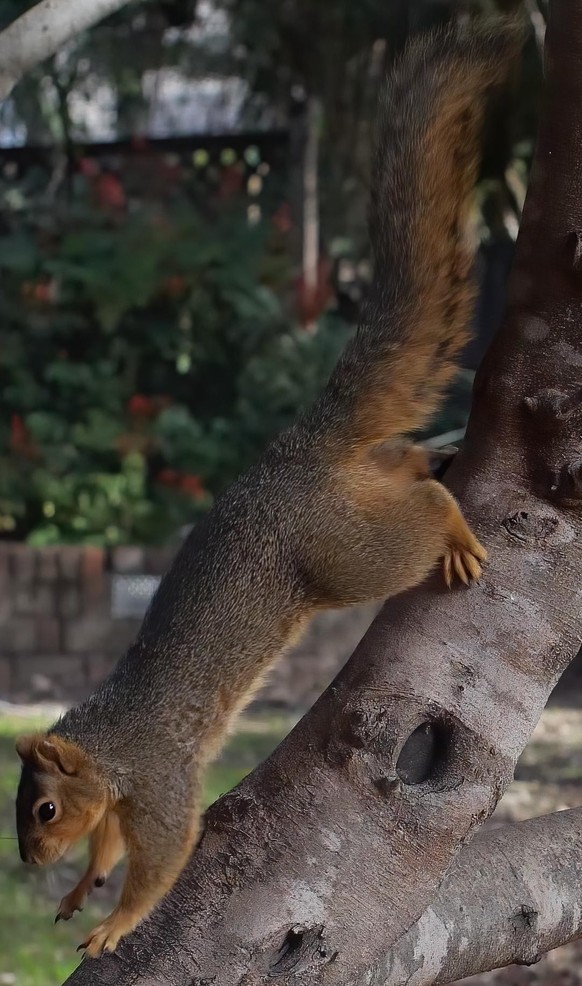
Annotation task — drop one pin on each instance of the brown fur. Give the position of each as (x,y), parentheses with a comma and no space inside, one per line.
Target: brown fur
(341,509)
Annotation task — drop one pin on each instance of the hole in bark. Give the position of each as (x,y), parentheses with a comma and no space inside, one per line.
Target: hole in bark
(423,753)
(302,948)
(293,943)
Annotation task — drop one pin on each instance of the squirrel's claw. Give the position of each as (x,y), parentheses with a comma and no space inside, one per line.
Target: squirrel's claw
(458,565)
(65,915)
(463,562)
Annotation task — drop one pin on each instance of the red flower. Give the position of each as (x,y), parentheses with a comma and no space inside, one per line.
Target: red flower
(109,192)
(174,285)
(139,406)
(168,477)
(188,483)
(20,441)
(282,218)
(17,430)
(231,182)
(44,292)
(192,485)
(41,292)
(88,167)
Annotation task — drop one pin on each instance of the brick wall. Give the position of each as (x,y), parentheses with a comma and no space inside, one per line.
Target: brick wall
(61,630)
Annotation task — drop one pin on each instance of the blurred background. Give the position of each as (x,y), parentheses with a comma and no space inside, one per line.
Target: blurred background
(183,254)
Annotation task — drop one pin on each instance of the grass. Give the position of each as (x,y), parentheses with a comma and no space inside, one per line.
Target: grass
(34,951)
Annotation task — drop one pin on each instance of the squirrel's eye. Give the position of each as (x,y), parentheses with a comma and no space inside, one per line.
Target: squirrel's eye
(47,811)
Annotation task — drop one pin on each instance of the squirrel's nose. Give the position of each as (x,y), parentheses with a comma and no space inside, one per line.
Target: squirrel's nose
(27,857)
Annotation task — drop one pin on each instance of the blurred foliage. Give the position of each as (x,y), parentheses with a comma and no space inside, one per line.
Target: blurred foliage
(340,51)
(280,55)
(147,358)
(284,53)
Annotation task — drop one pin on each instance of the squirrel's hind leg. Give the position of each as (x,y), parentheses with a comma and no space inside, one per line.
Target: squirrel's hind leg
(390,533)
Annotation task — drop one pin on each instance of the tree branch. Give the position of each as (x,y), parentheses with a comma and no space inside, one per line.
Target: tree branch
(42,31)
(509,897)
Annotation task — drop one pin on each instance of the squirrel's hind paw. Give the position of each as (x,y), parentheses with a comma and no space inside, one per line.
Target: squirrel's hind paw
(463,562)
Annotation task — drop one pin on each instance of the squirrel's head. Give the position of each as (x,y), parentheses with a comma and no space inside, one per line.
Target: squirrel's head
(60,798)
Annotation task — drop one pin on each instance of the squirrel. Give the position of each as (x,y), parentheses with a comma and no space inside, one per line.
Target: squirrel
(340,509)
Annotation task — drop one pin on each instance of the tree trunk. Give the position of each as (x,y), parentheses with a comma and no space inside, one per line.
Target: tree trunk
(319,862)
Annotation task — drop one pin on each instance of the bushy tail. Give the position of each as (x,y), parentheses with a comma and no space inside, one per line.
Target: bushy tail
(392,375)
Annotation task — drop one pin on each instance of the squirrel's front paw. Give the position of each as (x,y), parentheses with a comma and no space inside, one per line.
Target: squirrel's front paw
(73,901)
(105,937)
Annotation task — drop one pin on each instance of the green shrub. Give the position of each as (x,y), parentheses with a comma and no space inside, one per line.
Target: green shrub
(146,360)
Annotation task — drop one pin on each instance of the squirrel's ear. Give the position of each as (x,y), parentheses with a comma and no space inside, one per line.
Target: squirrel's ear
(55,754)
(24,745)
(59,754)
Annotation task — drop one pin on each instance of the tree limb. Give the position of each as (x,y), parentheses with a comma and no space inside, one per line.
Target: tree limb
(42,31)
(509,897)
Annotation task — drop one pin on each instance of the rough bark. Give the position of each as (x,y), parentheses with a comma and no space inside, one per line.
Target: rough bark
(42,31)
(320,861)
